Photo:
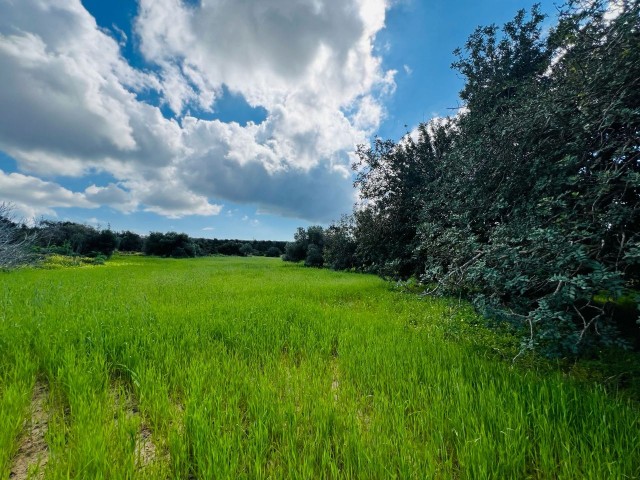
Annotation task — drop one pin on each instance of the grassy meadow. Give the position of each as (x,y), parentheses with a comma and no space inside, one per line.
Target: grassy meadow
(254,368)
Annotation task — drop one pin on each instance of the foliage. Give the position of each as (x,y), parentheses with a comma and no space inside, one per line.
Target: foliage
(273,252)
(395,181)
(549,208)
(56,261)
(340,245)
(294,252)
(171,244)
(246,249)
(314,256)
(229,248)
(312,237)
(130,242)
(69,238)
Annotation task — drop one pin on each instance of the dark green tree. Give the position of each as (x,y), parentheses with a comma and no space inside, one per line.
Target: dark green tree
(246,249)
(303,238)
(393,181)
(543,179)
(273,252)
(171,244)
(130,242)
(314,256)
(340,245)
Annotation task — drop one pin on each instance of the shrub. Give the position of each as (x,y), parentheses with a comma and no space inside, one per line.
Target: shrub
(273,252)
(314,256)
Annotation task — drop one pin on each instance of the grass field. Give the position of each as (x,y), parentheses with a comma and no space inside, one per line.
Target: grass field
(253,368)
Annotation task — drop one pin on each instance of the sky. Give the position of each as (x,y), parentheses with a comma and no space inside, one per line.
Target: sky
(217,118)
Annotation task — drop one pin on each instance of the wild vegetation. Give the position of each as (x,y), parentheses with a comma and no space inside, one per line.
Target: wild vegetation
(527,201)
(16,241)
(22,245)
(226,367)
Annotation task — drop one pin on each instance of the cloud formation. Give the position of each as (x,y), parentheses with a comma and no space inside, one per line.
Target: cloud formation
(73,105)
(32,196)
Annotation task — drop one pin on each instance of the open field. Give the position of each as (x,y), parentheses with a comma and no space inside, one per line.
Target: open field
(253,368)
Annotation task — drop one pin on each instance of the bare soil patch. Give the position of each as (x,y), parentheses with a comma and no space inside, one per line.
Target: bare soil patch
(33,452)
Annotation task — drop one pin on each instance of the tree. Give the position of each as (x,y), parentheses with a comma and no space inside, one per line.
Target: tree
(246,249)
(16,241)
(130,242)
(315,236)
(543,182)
(314,256)
(229,248)
(273,252)
(171,244)
(393,182)
(340,245)
(102,242)
(294,251)
(298,249)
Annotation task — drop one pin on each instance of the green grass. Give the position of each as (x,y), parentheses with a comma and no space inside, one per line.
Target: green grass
(254,368)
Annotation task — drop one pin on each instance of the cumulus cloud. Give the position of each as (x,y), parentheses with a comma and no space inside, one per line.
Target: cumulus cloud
(33,196)
(73,105)
(111,195)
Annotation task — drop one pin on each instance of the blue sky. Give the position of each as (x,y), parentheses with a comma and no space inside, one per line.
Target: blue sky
(219,119)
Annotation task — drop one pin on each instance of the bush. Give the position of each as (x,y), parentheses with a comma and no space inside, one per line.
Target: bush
(273,252)
(294,252)
(172,244)
(314,257)
(302,240)
(130,242)
(340,245)
(99,259)
(229,248)
(246,249)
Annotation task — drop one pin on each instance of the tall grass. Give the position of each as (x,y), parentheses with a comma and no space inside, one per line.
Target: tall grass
(252,368)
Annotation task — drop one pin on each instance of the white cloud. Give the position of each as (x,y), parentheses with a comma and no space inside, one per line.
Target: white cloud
(33,197)
(120,35)
(167,195)
(614,9)
(71,102)
(111,195)
(368,115)
(254,222)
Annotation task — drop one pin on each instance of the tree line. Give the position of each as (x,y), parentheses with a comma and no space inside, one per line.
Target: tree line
(527,201)
(20,244)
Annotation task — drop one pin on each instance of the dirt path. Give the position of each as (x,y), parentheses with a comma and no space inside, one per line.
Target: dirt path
(33,453)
